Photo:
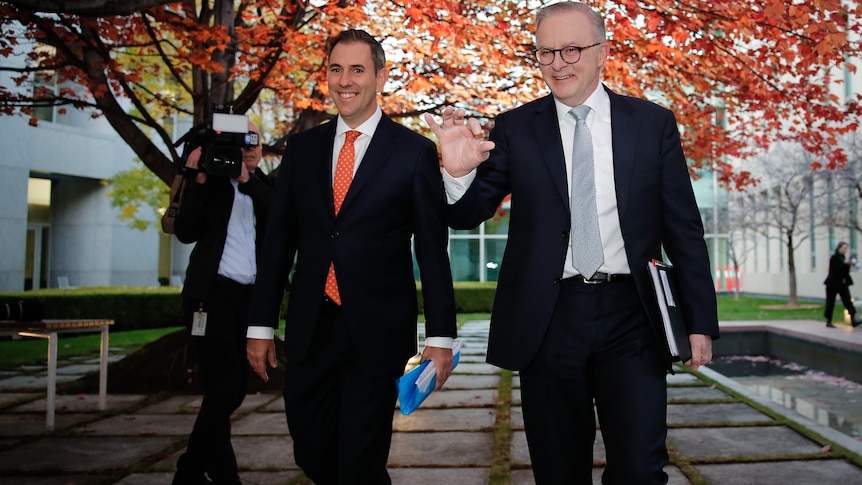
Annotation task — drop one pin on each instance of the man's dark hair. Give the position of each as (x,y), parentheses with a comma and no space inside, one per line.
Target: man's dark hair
(355,35)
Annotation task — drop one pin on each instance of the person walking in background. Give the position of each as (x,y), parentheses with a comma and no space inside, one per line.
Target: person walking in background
(838,282)
(225,218)
(597,192)
(349,196)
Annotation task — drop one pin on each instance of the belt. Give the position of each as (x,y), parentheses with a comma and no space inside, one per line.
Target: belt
(233,283)
(600,278)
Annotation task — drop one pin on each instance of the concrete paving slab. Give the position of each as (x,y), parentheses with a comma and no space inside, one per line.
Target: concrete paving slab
(157,478)
(81,403)
(516,417)
(24,382)
(260,424)
(6,442)
(465,398)
(681,378)
(64,479)
(459,476)
(525,477)
(254,401)
(739,441)
(9,399)
(113,356)
(458,419)
(469,368)
(80,455)
(33,424)
(78,369)
(520,452)
(267,453)
(277,405)
(714,413)
(33,382)
(695,392)
(457,381)
(783,473)
(471,359)
(185,404)
(141,425)
(453,449)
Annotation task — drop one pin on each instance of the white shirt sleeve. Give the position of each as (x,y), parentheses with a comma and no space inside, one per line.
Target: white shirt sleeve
(441,342)
(265,333)
(455,187)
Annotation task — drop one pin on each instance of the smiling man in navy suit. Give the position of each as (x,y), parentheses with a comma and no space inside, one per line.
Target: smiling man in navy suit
(350,195)
(584,333)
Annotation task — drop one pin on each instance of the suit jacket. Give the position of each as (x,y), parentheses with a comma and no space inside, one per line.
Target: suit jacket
(839,272)
(396,194)
(203,218)
(655,202)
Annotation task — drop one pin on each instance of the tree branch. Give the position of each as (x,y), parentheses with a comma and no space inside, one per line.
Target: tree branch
(88,8)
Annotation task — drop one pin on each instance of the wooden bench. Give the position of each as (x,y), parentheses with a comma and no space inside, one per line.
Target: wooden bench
(52,329)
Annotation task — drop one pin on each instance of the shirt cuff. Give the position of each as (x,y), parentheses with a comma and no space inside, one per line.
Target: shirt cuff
(263,333)
(441,342)
(455,187)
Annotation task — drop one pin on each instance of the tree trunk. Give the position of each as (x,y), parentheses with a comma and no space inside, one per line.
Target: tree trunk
(793,300)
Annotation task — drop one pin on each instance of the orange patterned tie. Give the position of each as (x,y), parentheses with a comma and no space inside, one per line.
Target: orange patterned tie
(340,184)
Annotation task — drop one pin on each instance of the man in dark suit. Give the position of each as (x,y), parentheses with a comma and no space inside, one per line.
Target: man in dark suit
(582,335)
(350,325)
(225,218)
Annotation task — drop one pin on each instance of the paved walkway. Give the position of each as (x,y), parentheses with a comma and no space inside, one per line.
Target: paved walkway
(715,436)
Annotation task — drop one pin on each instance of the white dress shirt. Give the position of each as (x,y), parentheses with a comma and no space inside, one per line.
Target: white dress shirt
(238,260)
(599,122)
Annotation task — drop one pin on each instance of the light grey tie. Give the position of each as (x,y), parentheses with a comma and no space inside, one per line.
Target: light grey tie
(586,240)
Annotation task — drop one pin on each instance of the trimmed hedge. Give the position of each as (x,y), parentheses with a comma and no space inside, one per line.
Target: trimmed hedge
(135,307)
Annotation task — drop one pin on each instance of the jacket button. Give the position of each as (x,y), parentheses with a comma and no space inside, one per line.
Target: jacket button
(557,281)
(565,234)
(335,235)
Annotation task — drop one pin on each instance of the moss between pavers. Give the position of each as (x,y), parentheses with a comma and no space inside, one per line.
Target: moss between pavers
(500,473)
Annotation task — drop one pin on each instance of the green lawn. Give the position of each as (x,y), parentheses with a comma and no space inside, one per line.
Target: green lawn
(33,351)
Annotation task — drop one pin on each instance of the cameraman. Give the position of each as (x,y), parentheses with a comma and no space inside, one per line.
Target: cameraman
(224,216)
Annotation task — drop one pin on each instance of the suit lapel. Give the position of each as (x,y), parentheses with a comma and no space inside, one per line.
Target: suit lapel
(624,135)
(375,157)
(546,129)
(323,164)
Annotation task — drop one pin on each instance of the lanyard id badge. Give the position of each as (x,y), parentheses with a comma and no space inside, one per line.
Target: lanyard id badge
(199,322)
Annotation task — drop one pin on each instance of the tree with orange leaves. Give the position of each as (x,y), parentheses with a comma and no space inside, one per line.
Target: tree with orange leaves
(771,68)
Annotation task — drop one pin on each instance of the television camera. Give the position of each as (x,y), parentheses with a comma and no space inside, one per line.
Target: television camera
(221,142)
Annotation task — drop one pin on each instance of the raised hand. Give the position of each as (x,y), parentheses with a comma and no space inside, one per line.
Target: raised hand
(460,146)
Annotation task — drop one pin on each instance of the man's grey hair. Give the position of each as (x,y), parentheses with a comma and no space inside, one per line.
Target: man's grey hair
(565,7)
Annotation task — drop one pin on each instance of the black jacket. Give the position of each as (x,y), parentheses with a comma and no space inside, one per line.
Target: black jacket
(839,272)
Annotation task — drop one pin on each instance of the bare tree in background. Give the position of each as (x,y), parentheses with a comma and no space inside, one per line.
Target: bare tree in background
(741,228)
(791,203)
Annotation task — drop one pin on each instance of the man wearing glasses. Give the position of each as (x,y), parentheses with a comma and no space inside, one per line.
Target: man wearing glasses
(599,187)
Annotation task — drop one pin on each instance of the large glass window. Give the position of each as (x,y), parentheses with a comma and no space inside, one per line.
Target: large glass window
(44,86)
(476,254)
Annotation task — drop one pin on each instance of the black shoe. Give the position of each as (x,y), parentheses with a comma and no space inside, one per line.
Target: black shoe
(855,323)
(829,325)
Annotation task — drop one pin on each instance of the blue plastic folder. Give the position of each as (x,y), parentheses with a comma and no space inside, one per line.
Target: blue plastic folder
(418,384)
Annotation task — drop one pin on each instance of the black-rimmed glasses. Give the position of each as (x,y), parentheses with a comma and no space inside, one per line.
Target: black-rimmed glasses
(569,54)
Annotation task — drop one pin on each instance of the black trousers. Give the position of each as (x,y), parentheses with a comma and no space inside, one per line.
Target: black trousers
(224,374)
(339,408)
(844,292)
(598,349)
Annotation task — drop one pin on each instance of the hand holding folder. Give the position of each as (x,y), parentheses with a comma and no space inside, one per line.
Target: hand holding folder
(418,384)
